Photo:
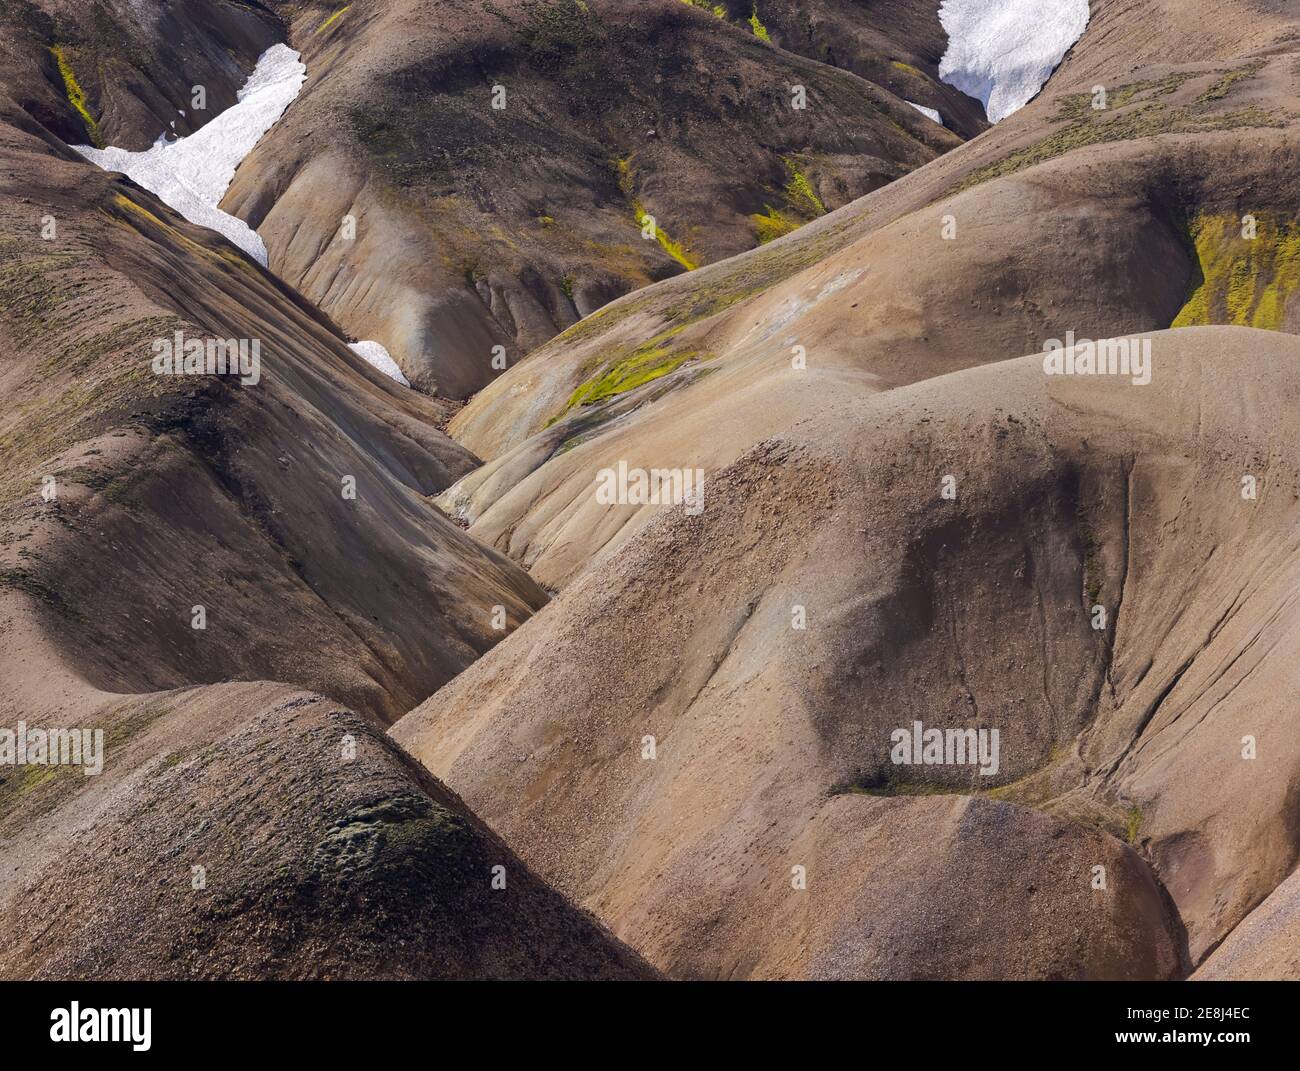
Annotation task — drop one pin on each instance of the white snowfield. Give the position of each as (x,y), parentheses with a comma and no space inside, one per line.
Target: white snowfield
(929,113)
(378,356)
(1002,52)
(193,173)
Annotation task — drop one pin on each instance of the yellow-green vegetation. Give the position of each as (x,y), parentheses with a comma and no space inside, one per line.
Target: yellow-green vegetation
(227,257)
(644,219)
(905,67)
(738,281)
(555,33)
(122,201)
(799,191)
(1134,824)
(1145,121)
(717,9)
(1079,105)
(84,374)
(333,19)
(773,224)
(1034,789)
(1244,282)
(107,373)
(77,95)
(18,783)
(760,31)
(27,297)
(39,789)
(31,585)
(1224,85)
(1150,115)
(644,364)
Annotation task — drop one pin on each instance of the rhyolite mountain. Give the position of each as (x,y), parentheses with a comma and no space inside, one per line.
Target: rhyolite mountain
(500,158)
(827,385)
(671,728)
(130,501)
(478,227)
(1060,218)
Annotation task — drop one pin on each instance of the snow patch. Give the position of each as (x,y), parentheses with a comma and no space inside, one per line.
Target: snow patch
(192,174)
(1002,52)
(929,113)
(377,355)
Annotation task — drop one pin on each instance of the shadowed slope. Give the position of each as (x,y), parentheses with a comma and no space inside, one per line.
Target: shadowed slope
(292,510)
(500,159)
(122,72)
(165,531)
(232,835)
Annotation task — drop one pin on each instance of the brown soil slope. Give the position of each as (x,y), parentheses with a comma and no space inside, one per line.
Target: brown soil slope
(478,227)
(176,492)
(129,499)
(1072,493)
(1060,219)
(896,44)
(254,831)
(1266,946)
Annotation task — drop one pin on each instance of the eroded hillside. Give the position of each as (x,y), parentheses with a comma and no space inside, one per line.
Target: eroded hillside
(394,688)
(168,531)
(501,158)
(1063,217)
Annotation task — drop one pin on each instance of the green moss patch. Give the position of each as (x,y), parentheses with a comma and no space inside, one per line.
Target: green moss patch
(802,205)
(30,296)
(717,10)
(672,248)
(728,284)
(333,19)
(1224,85)
(405,842)
(76,95)
(1243,282)
(799,191)
(554,32)
(645,220)
(1076,106)
(772,224)
(1146,121)
(89,378)
(31,585)
(39,789)
(645,364)
(1133,824)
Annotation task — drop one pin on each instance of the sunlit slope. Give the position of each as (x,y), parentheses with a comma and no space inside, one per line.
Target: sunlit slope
(1063,218)
(976,609)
